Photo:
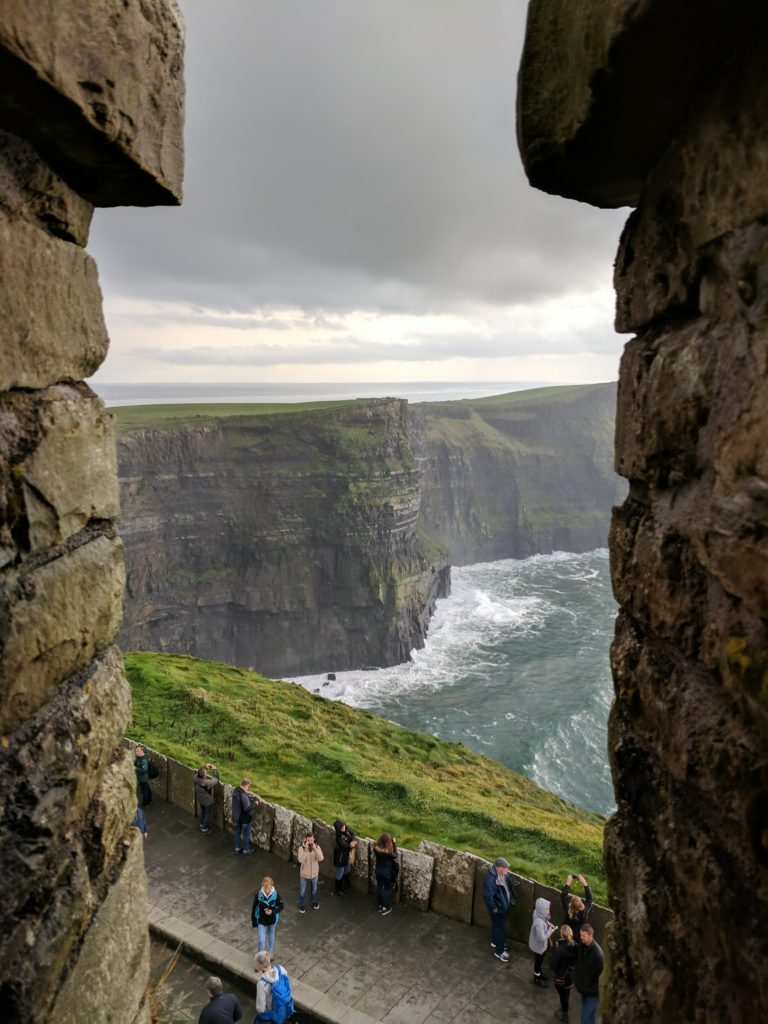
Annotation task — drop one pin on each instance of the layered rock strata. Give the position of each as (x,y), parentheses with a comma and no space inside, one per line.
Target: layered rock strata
(90,112)
(286,542)
(687,851)
(298,542)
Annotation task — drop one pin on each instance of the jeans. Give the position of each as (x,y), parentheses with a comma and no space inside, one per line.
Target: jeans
(242,836)
(303,883)
(383,888)
(499,931)
(206,813)
(341,870)
(146,794)
(588,1009)
(266,937)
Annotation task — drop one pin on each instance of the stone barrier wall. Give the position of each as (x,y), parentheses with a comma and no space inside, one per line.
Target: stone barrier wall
(434,877)
(91,111)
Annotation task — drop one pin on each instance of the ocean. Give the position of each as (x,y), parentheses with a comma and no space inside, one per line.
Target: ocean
(516,667)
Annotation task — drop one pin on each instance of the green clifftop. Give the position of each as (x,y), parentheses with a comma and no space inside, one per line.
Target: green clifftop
(324,759)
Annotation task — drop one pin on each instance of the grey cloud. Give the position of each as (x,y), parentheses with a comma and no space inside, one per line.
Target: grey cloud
(347,155)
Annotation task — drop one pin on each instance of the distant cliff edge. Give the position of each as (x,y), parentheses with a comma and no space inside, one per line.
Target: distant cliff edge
(302,539)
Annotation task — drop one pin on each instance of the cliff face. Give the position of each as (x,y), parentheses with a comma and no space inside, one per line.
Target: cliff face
(300,541)
(288,542)
(520,474)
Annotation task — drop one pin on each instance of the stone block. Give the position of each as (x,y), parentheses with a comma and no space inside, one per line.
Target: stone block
(282,832)
(57,466)
(301,827)
(159,786)
(181,786)
(226,806)
(362,867)
(112,810)
(56,616)
(30,190)
(326,840)
(98,91)
(218,806)
(416,872)
(52,327)
(453,882)
(594,113)
(263,825)
(114,955)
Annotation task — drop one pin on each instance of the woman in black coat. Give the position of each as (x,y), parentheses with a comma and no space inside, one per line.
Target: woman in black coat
(562,961)
(343,855)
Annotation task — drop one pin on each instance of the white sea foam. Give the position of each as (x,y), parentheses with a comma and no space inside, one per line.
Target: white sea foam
(516,665)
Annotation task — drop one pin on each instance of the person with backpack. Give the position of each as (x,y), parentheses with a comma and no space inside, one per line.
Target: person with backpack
(265,913)
(204,787)
(385,852)
(141,767)
(243,807)
(273,991)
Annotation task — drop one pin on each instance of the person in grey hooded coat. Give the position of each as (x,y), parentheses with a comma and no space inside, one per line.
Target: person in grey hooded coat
(541,932)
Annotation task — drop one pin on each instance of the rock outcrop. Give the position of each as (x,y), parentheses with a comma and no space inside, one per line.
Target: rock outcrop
(298,542)
(520,474)
(669,112)
(286,542)
(91,105)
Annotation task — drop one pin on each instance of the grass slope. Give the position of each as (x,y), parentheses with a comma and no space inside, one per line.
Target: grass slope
(324,759)
(132,417)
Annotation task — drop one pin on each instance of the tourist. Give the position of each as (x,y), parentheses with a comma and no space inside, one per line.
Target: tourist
(499,895)
(204,787)
(589,967)
(265,913)
(343,855)
(310,857)
(385,852)
(243,807)
(223,1007)
(562,962)
(575,909)
(273,991)
(141,766)
(538,940)
(140,822)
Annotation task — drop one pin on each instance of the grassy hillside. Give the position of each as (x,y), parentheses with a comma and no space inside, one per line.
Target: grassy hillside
(132,417)
(324,759)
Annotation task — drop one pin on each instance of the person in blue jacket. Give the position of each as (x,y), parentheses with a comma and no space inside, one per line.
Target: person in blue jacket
(265,913)
(499,896)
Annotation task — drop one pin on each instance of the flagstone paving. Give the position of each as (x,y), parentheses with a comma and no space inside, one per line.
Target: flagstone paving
(346,962)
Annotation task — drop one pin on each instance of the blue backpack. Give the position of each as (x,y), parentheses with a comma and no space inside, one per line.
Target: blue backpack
(282,1001)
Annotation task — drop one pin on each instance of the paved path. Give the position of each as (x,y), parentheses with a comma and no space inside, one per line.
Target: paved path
(348,965)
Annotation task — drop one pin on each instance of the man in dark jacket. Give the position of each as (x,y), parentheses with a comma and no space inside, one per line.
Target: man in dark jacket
(499,896)
(589,967)
(141,765)
(243,807)
(223,1008)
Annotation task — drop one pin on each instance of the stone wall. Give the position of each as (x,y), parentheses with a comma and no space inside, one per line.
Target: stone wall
(668,112)
(91,107)
(434,877)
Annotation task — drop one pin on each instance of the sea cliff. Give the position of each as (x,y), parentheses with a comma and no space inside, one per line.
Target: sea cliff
(299,540)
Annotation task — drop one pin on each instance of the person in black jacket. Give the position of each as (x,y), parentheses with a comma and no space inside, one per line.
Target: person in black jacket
(223,1008)
(243,807)
(575,909)
(499,895)
(385,852)
(265,913)
(342,855)
(562,962)
(589,967)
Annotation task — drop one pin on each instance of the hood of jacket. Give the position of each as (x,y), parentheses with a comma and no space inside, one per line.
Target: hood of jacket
(542,908)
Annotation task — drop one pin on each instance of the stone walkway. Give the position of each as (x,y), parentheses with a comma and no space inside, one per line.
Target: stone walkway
(347,964)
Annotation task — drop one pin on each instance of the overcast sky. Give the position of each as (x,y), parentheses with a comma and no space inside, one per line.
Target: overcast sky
(355,210)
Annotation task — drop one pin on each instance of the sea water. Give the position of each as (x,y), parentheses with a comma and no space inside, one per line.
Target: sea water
(516,667)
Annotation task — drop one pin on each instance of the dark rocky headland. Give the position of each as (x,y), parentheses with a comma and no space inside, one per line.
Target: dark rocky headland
(297,541)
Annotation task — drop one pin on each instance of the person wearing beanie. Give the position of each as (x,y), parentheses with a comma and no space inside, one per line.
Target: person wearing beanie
(499,895)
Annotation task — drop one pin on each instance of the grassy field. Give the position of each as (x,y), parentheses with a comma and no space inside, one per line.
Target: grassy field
(326,760)
(132,417)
